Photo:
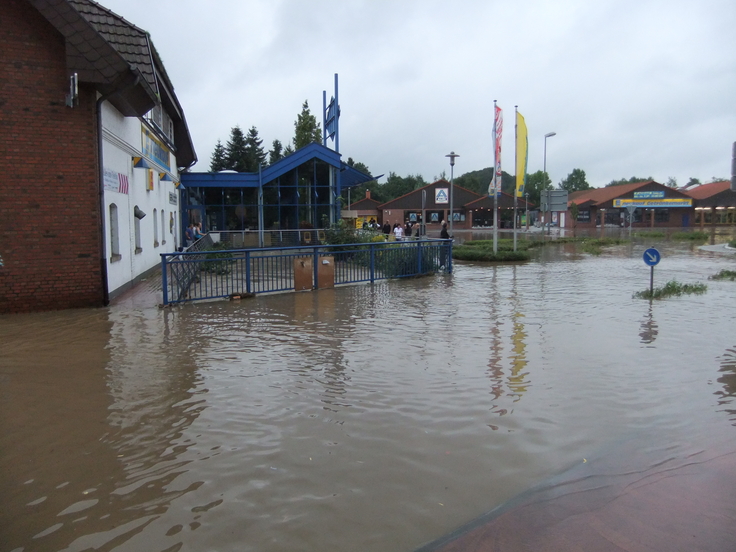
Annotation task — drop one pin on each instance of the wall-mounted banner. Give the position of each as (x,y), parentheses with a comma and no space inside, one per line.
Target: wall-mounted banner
(441,196)
(649,195)
(173,198)
(154,148)
(115,182)
(650,203)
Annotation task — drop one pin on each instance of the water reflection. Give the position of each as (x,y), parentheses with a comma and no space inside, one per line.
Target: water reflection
(306,421)
(649,329)
(728,380)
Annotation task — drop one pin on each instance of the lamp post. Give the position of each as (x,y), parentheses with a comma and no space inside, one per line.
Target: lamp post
(526,204)
(548,135)
(452,155)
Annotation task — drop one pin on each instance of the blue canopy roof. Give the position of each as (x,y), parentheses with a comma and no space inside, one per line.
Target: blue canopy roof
(349,176)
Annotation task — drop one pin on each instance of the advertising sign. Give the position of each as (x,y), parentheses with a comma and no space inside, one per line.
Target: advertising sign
(649,203)
(649,195)
(441,196)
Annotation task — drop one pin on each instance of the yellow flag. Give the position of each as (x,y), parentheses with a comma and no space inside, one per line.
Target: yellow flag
(522,151)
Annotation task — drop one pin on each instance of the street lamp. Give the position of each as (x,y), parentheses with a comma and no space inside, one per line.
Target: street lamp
(526,204)
(452,155)
(548,135)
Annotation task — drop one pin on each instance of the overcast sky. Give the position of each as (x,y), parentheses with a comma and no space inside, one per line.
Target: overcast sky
(632,88)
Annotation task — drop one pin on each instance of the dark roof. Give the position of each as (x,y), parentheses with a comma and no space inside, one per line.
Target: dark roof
(413,199)
(505,201)
(119,59)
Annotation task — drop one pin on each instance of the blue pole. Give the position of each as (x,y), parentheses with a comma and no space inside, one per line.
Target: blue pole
(164,283)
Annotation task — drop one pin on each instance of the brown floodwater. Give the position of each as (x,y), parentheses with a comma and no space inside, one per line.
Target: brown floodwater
(371,418)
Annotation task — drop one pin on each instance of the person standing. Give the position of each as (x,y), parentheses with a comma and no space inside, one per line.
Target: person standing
(444,247)
(386,229)
(398,231)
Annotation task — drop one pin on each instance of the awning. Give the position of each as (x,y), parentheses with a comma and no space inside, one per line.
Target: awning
(141,163)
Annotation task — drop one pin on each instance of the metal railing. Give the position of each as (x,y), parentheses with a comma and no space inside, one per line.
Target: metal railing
(219,273)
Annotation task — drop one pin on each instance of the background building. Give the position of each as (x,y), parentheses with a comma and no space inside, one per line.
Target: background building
(93,138)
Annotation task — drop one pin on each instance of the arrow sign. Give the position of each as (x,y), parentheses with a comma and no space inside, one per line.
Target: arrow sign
(652,257)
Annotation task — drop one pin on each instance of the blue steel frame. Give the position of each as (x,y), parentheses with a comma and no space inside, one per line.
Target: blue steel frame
(201,275)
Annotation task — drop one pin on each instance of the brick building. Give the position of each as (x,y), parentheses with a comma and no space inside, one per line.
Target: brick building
(92,140)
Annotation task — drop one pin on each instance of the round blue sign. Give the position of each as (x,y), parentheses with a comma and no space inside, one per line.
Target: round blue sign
(652,256)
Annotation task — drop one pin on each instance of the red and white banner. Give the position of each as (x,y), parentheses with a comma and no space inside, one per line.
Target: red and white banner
(495,186)
(116,182)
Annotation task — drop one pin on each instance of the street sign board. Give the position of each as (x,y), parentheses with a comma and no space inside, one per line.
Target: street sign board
(553,200)
(652,257)
(631,209)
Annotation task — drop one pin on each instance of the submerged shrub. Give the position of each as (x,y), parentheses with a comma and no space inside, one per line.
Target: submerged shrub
(724,275)
(671,288)
(692,236)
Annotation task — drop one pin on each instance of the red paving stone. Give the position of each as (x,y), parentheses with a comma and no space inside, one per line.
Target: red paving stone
(686,504)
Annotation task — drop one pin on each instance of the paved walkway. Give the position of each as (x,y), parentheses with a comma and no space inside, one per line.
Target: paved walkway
(681,504)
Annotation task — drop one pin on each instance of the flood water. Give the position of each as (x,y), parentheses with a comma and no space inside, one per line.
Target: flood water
(371,418)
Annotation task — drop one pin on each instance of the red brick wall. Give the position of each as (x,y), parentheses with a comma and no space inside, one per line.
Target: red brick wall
(49,206)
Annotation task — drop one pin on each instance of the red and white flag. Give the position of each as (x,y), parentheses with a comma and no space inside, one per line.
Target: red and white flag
(495,185)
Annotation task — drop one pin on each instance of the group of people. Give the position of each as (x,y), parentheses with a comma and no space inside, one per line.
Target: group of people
(403,232)
(193,233)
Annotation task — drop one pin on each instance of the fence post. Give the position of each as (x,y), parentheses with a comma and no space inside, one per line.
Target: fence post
(373,263)
(419,257)
(315,267)
(449,257)
(247,271)
(164,283)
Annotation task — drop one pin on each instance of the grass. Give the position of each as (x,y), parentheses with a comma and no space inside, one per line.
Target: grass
(670,289)
(653,234)
(486,254)
(732,243)
(692,236)
(724,275)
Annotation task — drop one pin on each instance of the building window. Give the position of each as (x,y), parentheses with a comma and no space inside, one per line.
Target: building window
(114,234)
(662,215)
(137,228)
(584,216)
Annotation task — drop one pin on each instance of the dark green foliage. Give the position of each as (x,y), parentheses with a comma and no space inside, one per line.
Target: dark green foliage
(478,181)
(219,158)
(254,154)
(276,153)
(235,151)
(504,244)
(724,275)
(691,236)
(631,180)
(653,234)
(671,288)
(216,261)
(306,128)
(486,254)
(575,181)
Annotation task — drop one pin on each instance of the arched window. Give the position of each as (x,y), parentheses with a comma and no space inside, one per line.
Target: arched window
(114,234)
(137,228)
(163,227)
(155,228)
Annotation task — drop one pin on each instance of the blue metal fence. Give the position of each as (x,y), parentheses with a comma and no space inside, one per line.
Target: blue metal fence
(217,273)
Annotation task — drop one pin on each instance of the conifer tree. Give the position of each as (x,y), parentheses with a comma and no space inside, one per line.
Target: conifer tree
(236,152)
(218,161)
(254,154)
(276,153)
(307,129)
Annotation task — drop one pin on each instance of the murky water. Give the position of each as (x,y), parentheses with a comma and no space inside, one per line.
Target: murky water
(368,418)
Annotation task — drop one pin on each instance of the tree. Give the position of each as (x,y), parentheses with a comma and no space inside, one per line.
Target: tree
(235,151)
(254,154)
(306,128)
(631,180)
(218,161)
(692,182)
(535,183)
(276,153)
(671,182)
(574,210)
(575,181)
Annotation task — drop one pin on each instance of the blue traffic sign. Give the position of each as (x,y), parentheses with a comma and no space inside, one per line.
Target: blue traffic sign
(652,256)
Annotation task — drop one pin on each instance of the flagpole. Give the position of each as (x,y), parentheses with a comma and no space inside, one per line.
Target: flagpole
(516,164)
(495,183)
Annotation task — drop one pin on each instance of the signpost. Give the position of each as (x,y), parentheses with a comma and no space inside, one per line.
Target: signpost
(651,258)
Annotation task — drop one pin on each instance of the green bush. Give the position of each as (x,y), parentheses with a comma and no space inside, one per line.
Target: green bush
(692,236)
(652,234)
(724,275)
(216,261)
(671,288)
(469,253)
